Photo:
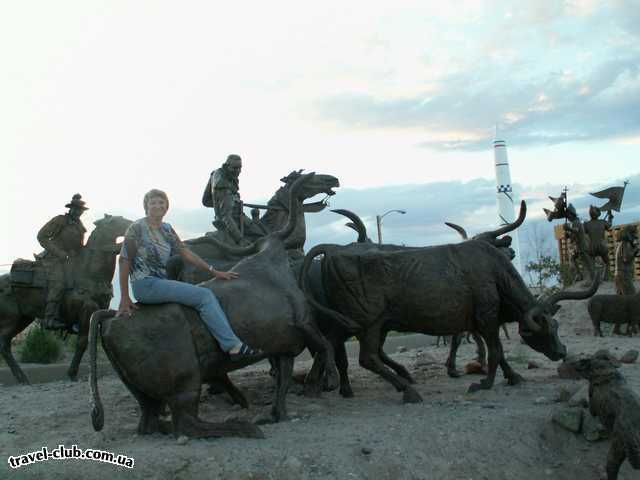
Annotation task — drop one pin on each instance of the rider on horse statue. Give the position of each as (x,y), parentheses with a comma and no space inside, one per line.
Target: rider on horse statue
(223,194)
(62,237)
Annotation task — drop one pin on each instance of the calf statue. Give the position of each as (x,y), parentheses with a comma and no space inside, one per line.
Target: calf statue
(617,407)
(615,309)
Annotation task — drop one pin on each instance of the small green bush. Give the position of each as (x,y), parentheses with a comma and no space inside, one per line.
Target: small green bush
(40,346)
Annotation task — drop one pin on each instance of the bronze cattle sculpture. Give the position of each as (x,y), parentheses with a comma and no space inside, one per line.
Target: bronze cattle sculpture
(442,290)
(337,335)
(615,309)
(163,353)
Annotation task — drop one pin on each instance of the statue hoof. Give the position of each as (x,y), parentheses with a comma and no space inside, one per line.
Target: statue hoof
(411,396)
(474,387)
(263,419)
(515,379)
(312,391)
(331,382)
(346,392)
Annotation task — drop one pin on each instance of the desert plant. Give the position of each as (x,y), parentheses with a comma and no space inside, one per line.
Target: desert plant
(40,346)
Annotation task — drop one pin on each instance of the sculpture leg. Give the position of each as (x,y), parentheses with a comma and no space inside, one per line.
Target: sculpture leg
(234,392)
(605,262)
(283,380)
(451,360)
(184,416)
(12,325)
(481,350)
(506,332)
(83,340)
(5,350)
(55,292)
(324,360)
(342,363)
(395,366)
(509,373)
(370,359)
(495,349)
(615,457)
(150,411)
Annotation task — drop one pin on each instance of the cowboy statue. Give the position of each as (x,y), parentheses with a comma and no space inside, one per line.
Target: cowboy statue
(596,230)
(223,194)
(62,237)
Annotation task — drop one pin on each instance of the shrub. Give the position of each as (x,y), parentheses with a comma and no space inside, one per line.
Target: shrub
(40,346)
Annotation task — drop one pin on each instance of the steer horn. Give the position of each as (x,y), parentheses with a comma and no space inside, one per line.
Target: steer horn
(459,229)
(528,320)
(358,225)
(579,295)
(547,305)
(511,226)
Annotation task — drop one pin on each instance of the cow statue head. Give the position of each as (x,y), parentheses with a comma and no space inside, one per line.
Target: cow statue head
(539,329)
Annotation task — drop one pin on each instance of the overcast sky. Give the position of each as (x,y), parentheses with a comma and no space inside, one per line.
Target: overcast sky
(399,100)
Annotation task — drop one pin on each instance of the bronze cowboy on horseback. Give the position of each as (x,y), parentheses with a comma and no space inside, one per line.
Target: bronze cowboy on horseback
(223,194)
(62,237)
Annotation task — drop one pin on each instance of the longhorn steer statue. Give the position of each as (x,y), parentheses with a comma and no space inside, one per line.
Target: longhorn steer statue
(338,335)
(163,353)
(442,290)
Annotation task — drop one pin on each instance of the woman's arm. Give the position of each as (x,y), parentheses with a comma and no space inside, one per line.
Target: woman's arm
(128,252)
(126,305)
(196,261)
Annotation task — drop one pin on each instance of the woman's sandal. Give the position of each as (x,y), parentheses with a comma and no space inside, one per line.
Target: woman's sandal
(245,352)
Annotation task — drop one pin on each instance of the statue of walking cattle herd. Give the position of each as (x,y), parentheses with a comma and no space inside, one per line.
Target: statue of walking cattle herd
(279,302)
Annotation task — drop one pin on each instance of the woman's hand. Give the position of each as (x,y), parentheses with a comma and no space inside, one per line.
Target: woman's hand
(126,306)
(224,275)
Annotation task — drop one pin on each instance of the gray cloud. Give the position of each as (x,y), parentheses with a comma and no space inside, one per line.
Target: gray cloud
(590,78)
(603,105)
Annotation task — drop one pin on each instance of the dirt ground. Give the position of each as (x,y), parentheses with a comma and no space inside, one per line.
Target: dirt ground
(505,433)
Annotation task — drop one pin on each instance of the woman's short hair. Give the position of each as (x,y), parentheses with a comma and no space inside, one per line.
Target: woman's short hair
(154,192)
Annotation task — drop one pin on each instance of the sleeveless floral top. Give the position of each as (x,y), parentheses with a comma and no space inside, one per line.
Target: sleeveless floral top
(150,249)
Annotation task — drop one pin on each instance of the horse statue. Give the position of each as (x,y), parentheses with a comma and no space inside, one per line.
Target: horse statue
(88,288)
(275,218)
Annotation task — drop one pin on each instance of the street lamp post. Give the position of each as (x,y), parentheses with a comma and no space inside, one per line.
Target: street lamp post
(379,222)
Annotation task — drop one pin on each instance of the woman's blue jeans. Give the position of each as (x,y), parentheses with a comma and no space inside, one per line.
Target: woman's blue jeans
(158,290)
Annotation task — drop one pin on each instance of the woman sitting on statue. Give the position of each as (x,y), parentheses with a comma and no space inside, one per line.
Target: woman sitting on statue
(148,244)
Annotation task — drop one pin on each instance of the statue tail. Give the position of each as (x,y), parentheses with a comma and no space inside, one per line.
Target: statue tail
(345,322)
(97,411)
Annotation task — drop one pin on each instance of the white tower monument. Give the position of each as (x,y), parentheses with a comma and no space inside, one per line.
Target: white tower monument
(504,192)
